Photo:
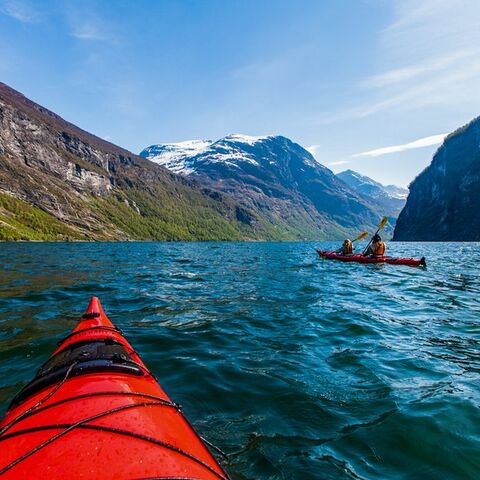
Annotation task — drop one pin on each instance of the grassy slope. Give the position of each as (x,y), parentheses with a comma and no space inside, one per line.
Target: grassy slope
(21,221)
(147,203)
(164,219)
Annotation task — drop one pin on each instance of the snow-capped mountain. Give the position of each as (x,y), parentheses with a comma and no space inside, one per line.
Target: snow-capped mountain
(188,156)
(174,155)
(389,197)
(275,177)
(59,182)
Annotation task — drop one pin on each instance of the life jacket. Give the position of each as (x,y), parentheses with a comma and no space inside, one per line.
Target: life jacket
(378,249)
(347,247)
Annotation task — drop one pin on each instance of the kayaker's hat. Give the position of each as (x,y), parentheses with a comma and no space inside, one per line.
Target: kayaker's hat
(377,238)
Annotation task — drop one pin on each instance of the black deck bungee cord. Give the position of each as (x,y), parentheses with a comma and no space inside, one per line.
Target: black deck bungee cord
(82,424)
(37,408)
(30,412)
(27,412)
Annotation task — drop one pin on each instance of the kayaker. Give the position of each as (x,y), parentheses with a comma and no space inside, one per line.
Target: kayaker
(377,247)
(347,247)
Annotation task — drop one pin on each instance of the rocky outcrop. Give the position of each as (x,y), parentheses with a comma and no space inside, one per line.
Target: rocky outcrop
(274,177)
(444,200)
(99,190)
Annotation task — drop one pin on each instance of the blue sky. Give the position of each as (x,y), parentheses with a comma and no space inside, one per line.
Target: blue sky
(371,85)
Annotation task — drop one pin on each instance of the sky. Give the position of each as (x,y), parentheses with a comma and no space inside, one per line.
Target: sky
(370,85)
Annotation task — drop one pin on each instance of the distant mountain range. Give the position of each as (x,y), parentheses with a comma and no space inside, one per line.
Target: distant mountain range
(276,178)
(444,200)
(390,198)
(58,182)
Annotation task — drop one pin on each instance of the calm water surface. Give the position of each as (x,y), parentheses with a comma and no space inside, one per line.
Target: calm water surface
(298,368)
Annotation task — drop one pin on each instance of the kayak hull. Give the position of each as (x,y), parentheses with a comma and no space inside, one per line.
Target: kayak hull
(95,411)
(358,258)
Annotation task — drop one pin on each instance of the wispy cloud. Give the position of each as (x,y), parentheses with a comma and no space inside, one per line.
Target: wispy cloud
(22,11)
(420,143)
(86,23)
(339,162)
(88,31)
(313,149)
(426,61)
(414,71)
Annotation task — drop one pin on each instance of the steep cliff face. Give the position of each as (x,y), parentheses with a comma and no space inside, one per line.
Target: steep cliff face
(60,182)
(444,200)
(275,177)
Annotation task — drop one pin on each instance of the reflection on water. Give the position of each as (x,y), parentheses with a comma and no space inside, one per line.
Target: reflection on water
(299,368)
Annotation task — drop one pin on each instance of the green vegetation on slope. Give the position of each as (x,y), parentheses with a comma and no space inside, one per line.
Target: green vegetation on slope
(138,215)
(21,221)
(163,217)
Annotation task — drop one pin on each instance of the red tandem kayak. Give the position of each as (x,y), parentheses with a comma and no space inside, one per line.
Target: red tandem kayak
(94,411)
(412,262)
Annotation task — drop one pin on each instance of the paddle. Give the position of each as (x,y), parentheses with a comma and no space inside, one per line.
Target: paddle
(380,228)
(360,237)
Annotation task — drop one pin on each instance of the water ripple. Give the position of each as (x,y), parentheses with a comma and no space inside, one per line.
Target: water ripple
(299,368)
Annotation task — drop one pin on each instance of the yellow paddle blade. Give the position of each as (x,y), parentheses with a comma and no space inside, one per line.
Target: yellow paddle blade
(383,223)
(362,235)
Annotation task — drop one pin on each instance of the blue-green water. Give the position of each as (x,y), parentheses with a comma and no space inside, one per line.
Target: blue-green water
(299,368)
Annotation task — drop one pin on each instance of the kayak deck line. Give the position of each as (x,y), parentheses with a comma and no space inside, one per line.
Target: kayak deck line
(101,408)
(82,424)
(359,258)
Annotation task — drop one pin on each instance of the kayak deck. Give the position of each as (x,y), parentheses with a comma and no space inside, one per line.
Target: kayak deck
(358,258)
(94,410)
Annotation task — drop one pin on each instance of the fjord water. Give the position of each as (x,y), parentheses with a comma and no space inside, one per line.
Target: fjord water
(297,367)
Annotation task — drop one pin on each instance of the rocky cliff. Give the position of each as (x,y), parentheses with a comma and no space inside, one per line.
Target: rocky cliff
(276,178)
(444,200)
(60,182)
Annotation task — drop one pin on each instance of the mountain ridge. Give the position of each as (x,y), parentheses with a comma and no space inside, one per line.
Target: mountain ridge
(60,182)
(275,177)
(390,198)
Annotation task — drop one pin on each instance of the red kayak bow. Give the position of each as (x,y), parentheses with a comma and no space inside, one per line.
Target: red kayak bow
(358,258)
(94,411)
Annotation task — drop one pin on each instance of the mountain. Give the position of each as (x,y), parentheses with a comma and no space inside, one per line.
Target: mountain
(276,178)
(58,182)
(444,200)
(389,198)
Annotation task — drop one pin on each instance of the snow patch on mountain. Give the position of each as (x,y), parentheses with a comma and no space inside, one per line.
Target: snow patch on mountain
(396,192)
(390,198)
(375,189)
(174,156)
(181,157)
(248,139)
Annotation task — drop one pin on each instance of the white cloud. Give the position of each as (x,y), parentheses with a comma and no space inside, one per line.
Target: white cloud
(410,72)
(19,10)
(340,162)
(420,143)
(86,24)
(313,149)
(88,31)
(429,56)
